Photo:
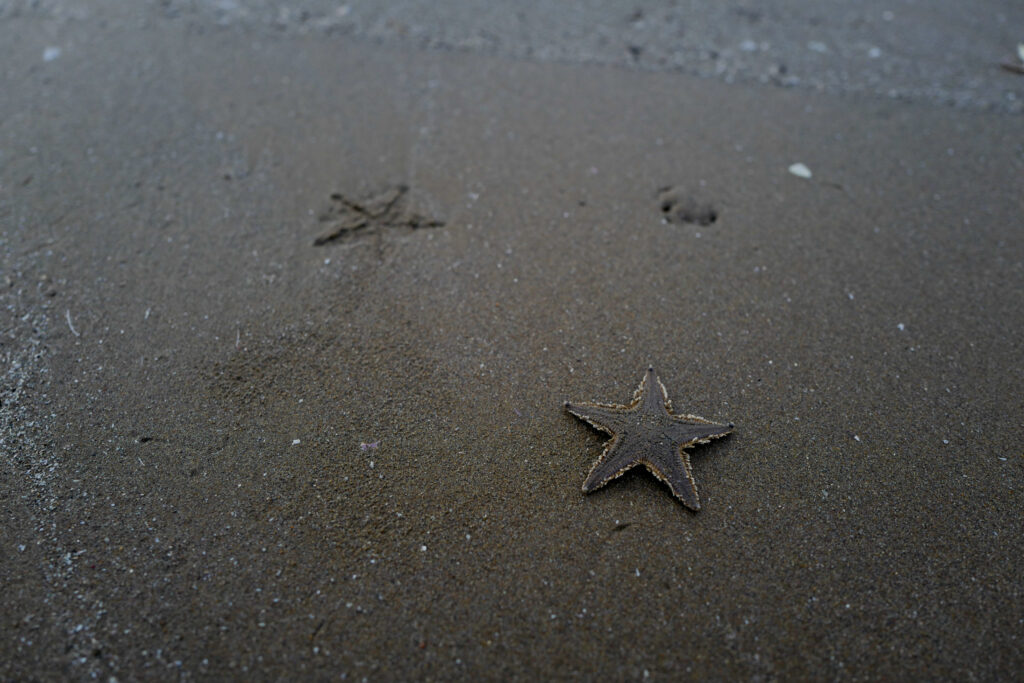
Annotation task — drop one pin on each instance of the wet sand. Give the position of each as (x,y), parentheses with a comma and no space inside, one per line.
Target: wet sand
(228,451)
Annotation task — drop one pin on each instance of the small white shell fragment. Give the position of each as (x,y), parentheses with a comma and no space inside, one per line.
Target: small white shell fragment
(800,170)
(51,53)
(296,442)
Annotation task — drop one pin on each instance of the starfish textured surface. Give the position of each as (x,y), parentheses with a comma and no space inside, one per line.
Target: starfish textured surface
(645,432)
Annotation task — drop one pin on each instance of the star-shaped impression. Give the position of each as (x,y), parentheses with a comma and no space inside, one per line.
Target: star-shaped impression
(645,432)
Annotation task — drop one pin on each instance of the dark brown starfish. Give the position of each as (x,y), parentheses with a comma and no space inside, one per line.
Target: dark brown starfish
(645,432)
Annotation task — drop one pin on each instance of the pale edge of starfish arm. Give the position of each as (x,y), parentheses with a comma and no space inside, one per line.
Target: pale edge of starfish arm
(592,414)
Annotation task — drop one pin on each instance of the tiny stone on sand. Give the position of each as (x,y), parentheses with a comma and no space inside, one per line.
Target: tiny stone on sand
(800,170)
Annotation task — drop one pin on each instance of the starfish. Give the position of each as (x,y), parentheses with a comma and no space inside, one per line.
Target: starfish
(645,432)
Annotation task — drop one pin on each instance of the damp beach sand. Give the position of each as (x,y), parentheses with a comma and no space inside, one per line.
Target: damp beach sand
(292,307)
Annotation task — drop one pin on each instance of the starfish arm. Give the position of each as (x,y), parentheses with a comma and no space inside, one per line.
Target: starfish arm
(692,430)
(612,463)
(651,395)
(674,470)
(607,418)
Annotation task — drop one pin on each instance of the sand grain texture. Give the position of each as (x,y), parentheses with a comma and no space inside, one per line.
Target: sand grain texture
(861,328)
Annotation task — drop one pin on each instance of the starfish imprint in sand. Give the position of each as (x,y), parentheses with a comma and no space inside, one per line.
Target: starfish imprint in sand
(645,432)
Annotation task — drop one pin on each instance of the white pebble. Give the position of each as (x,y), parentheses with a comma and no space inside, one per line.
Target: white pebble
(51,53)
(800,170)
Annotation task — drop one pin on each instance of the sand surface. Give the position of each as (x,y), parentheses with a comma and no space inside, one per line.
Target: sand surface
(226,451)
